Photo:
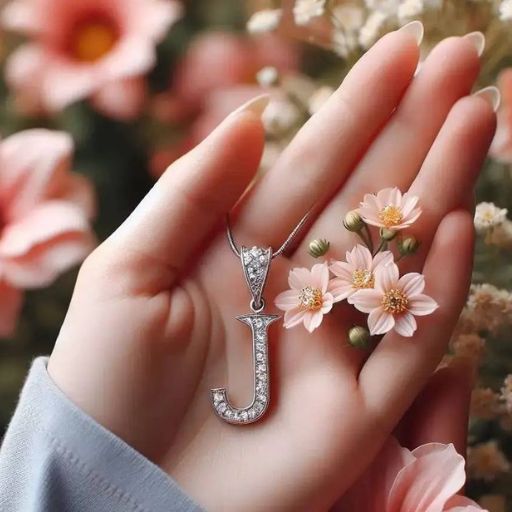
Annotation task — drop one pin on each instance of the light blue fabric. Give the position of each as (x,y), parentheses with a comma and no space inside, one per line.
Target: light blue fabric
(55,458)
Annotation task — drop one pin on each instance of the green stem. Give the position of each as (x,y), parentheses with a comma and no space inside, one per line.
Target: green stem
(383,245)
(365,241)
(370,239)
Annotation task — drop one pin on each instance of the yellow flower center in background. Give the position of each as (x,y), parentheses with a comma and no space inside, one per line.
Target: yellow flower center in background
(395,301)
(362,278)
(390,216)
(93,39)
(311,298)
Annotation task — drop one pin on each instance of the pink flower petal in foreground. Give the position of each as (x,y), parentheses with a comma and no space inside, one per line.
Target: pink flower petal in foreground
(307,300)
(357,272)
(78,49)
(390,209)
(394,302)
(45,216)
(424,480)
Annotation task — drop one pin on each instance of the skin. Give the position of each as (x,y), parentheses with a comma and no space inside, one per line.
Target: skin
(151,326)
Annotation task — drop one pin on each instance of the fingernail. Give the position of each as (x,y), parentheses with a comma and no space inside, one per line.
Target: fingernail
(415,29)
(255,105)
(490,94)
(477,39)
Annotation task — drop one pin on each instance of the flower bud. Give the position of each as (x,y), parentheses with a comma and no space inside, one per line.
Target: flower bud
(387,234)
(318,248)
(353,221)
(359,337)
(408,245)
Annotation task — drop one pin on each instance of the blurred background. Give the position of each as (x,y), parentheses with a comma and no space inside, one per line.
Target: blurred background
(98,97)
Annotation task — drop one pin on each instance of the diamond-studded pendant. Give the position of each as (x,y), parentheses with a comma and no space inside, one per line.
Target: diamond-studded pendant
(255,263)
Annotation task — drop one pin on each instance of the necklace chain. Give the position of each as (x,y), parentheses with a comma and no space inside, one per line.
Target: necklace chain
(284,246)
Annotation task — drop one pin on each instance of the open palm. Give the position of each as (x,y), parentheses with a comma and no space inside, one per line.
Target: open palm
(151,327)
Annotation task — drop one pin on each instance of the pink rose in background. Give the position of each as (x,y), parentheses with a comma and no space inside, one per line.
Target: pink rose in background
(501,147)
(44,216)
(424,480)
(85,49)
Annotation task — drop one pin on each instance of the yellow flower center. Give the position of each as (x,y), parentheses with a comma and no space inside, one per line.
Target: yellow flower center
(362,278)
(311,298)
(390,216)
(395,301)
(93,39)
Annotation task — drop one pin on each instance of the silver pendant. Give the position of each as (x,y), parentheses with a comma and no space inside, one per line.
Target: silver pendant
(255,263)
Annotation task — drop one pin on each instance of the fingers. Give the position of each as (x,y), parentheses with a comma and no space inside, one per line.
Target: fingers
(399,367)
(441,412)
(196,191)
(326,149)
(397,154)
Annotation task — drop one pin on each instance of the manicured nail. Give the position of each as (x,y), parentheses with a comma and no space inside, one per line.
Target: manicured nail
(255,105)
(415,29)
(490,94)
(477,39)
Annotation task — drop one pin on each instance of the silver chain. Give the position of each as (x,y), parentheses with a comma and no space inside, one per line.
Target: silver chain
(281,249)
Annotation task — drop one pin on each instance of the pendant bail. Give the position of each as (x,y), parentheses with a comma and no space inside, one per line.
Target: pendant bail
(256,263)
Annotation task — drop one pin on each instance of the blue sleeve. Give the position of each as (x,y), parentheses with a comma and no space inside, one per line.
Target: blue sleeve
(56,458)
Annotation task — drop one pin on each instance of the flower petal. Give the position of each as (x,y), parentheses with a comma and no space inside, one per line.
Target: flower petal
(430,481)
(462,504)
(389,196)
(299,278)
(366,300)
(412,284)
(382,258)
(328,302)
(421,305)
(293,317)
(386,277)
(408,203)
(288,299)
(342,269)
(33,166)
(312,320)
(340,289)
(405,324)
(380,322)
(320,276)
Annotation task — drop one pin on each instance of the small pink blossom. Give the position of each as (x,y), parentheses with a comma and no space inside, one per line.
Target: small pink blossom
(357,272)
(426,479)
(308,300)
(390,209)
(394,301)
(85,49)
(44,218)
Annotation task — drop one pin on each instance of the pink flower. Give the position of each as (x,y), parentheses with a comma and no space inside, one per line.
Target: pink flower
(501,147)
(308,299)
(424,480)
(85,48)
(357,272)
(389,209)
(44,216)
(394,301)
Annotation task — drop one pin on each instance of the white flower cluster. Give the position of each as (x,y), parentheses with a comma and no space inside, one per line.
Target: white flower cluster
(486,461)
(488,216)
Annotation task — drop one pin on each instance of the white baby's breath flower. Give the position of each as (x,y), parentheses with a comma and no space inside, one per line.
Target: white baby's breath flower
(505,10)
(372,29)
(488,215)
(469,345)
(318,98)
(265,20)
(349,15)
(410,10)
(305,10)
(485,404)
(486,461)
(501,235)
(267,76)
(506,393)
(280,116)
(488,308)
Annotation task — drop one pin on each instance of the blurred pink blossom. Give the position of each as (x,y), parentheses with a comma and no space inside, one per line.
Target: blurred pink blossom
(85,49)
(216,75)
(424,480)
(501,147)
(45,212)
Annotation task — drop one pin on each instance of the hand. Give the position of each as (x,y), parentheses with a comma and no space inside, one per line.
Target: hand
(151,326)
